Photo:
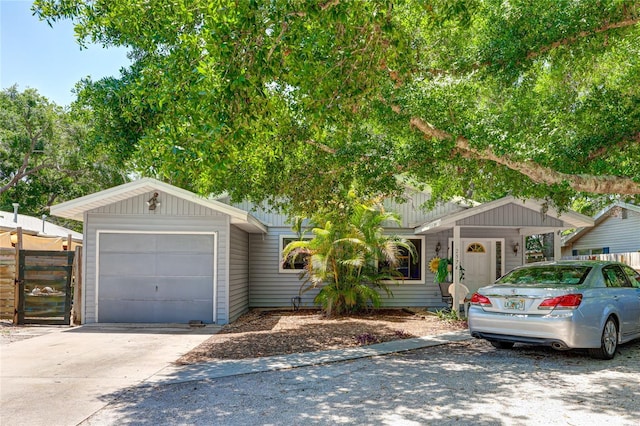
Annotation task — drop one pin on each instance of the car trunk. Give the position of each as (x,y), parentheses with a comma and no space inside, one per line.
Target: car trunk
(523,299)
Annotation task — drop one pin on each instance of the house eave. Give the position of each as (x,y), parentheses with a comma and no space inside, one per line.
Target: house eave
(569,219)
(75,209)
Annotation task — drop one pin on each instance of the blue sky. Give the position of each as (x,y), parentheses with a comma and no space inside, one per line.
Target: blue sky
(32,54)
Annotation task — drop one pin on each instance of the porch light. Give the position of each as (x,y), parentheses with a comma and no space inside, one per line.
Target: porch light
(516,249)
(438,247)
(153,202)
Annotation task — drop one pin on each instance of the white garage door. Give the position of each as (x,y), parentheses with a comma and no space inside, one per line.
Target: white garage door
(155,278)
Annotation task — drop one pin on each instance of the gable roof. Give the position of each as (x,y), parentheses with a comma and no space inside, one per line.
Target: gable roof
(599,217)
(75,209)
(568,219)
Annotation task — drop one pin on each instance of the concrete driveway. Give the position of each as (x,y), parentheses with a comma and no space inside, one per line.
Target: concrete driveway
(64,375)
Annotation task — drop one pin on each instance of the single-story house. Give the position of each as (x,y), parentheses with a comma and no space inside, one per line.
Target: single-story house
(156,253)
(37,233)
(616,230)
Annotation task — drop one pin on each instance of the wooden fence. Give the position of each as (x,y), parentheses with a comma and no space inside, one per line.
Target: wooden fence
(631,259)
(7,283)
(9,302)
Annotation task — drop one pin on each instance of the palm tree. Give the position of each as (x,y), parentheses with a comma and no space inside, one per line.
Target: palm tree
(351,260)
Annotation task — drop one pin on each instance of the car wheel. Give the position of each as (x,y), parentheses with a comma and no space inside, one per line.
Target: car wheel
(501,345)
(608,341)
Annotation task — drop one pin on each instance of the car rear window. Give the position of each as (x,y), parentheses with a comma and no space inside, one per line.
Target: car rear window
(559,275)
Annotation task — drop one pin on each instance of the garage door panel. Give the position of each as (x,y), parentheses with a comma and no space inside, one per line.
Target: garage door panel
(112,288)
(141,311)
(157,289)
(185,288)
(143,264)
(142,283)
(132,243)
(177,243)
(184,264)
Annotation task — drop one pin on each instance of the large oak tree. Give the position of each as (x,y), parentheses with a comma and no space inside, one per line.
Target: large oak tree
(302,99)
(47,155)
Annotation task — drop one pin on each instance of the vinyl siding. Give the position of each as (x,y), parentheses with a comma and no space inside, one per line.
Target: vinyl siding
(173,215)
(271,288)
(169,206)
(238,273)
(620,235)
(510,215)
(412,212)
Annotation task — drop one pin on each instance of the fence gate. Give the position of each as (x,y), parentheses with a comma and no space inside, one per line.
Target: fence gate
(44,287)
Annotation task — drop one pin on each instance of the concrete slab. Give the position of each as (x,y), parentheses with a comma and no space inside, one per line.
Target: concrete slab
(63,376)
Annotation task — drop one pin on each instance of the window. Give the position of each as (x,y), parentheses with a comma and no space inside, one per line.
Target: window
(633,275)
(475,248)
(411,270)
(548,274)
(300,261)
(614,277)
(590,251)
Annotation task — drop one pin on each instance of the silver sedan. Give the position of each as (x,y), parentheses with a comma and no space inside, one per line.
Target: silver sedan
(564,304)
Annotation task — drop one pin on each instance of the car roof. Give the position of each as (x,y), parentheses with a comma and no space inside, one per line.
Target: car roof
(574,263)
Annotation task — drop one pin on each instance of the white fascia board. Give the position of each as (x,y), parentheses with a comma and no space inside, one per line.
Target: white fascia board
(75,209)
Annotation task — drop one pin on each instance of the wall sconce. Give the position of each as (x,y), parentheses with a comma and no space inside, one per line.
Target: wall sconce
(153,202)
(438,247)
(516,249)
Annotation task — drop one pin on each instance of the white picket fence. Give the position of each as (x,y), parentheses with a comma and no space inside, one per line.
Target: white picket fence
(631,259)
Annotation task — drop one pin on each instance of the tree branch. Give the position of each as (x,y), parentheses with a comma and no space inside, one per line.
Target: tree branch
(605,184)
(534,54)
(322,146)
(21,173)
(582,34)
(603,150)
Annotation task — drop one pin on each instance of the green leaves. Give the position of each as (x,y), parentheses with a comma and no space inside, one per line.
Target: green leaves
(296,101)
(46,154)
(346,256)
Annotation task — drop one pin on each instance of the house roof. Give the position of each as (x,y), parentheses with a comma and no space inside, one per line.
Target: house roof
(569,219)
(75,209)
(599,217)
(35,226)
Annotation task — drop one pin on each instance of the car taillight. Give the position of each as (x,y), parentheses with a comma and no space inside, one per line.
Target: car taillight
(568,301)
(478,299)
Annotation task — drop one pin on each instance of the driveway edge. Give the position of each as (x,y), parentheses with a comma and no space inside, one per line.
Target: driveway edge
(227,368)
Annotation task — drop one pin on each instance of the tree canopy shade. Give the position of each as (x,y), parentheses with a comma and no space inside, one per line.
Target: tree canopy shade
(301,100)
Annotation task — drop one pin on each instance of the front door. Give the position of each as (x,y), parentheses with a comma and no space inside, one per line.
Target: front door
(481,260)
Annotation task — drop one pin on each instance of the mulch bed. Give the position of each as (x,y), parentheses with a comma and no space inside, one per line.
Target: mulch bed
(261,333)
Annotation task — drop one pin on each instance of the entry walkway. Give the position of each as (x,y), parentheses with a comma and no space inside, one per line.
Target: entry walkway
(225,368)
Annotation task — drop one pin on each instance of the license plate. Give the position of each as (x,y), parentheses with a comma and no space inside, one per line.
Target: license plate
(514,304)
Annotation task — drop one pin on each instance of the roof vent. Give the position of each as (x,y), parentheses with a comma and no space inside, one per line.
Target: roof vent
(15,212)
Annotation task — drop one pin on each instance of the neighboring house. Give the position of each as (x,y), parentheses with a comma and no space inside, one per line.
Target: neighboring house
(156,253)
(37,234)
(616,230)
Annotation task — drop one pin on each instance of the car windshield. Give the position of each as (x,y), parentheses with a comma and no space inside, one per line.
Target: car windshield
(547,274)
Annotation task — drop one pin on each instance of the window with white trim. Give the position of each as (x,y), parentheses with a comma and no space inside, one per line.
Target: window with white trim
(412,269)
(301,260)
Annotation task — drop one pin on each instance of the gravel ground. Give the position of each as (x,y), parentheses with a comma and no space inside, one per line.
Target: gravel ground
(458,383)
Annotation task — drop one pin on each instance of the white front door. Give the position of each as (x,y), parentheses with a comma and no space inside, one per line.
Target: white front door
(480,259)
